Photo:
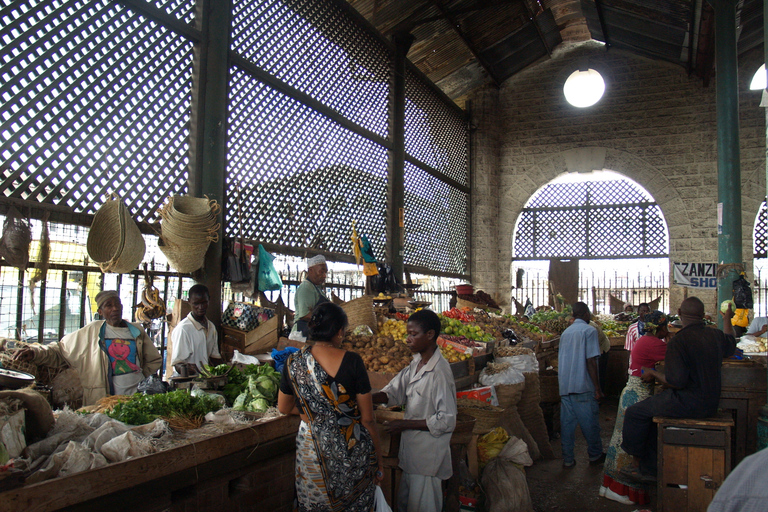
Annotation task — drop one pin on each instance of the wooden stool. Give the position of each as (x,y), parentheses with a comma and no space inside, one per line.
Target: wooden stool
(694,457)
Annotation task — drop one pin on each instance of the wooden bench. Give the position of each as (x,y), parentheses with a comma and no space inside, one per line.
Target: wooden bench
(694,457)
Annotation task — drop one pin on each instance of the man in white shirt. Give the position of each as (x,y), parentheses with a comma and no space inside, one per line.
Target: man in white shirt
(195,340)
(758,326)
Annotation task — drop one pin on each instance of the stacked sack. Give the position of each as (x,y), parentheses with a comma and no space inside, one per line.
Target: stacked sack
(189,225)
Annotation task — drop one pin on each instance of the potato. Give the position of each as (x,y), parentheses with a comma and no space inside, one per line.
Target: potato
(384,360)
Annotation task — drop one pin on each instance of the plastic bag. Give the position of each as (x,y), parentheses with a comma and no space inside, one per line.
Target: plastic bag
(742,293)
(521,363)
(152,385)
(281,356)
(490,445)
(508,376)
(269,279)
(380,502)
(237,357)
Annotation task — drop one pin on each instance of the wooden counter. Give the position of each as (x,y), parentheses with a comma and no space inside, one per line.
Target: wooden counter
(251,466)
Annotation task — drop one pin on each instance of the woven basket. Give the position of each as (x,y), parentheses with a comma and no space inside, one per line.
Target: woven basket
(7,361)
(549,387)
(360,312)
(185,258)
(191,209)
(486,419)
(532,415)
(463,432)
(509,394)
(179,234)
(114,240)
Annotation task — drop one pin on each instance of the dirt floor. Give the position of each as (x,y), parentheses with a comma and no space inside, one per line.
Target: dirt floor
(555,488)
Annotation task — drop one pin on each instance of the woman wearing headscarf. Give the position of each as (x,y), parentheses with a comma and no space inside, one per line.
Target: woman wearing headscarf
(647,351)
(338,460)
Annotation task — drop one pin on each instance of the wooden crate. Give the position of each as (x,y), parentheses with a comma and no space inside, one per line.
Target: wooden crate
(257,341)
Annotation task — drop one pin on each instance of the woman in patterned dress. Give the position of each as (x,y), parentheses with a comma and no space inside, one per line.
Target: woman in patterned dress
(648,350)
(338,460)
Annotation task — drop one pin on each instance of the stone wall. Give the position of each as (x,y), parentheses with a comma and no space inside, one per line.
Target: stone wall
(655,125)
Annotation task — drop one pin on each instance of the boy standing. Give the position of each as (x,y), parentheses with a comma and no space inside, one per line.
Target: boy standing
(427,389)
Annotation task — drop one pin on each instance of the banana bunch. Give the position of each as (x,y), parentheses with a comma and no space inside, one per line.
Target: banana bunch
(151,305)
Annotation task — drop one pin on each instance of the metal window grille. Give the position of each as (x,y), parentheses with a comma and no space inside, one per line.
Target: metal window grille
(94,99)
(760,233)
(315,48)
(436,218)
(595,219)
(435,133)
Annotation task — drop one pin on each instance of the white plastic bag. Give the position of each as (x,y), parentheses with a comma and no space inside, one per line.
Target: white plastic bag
(380,502)
(523,363)
(508,376)
(237,357)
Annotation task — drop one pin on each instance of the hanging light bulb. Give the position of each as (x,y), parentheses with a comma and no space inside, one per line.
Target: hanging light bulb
(584,88)
(759,80)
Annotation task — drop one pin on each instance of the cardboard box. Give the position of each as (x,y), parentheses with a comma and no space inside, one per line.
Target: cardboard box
(485,394)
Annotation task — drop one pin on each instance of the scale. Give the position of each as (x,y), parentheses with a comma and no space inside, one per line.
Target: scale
(14,379)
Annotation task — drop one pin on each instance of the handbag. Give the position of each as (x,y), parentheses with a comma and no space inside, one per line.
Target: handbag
(380,502)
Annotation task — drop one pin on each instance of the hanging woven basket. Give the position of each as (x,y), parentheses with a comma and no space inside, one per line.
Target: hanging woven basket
(114,240)
(184,258)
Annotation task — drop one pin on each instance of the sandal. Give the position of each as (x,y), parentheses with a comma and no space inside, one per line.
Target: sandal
(633,473)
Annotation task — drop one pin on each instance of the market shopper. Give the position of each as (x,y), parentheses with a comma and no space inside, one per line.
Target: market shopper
(111,356)
(636,329)
(338,458)
(194,341)
(758,326)
(579,386)
(309,295)
(746,488)
(649,349)
(427,389)
(692,374)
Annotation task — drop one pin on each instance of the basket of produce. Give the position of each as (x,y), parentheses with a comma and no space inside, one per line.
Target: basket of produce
(360,312)
(463,431)
(486,416)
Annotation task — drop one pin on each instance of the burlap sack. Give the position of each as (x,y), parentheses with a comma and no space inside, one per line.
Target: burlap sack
(532,416)
(39,416)
(509,397)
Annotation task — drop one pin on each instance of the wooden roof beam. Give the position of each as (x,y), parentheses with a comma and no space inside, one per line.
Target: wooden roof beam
(467,41)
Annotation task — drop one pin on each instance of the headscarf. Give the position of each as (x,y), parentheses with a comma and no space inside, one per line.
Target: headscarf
(104,296)
(654,321)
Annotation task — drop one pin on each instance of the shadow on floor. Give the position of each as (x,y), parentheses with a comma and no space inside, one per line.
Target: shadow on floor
(554,488)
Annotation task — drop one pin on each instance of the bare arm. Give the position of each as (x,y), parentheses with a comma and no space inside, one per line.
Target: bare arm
(286,404)
(369,422)
(592,371)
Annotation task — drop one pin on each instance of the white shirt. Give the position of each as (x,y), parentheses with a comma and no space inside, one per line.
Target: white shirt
(757,323)
(193,342)
(429,394)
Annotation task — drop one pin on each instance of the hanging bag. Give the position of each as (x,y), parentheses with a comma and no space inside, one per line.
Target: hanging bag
(269,279)
(742,293)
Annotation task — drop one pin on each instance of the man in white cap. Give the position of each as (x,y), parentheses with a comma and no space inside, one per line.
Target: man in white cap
(309,294)
(111,356)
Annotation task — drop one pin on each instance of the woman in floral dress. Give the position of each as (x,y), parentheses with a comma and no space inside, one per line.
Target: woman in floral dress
(338,460)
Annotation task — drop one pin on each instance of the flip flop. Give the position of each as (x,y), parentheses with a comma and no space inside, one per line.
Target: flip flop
(633,473)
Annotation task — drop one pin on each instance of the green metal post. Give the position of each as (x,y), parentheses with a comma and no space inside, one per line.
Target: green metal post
(208,142)
(396,177)
(728,163)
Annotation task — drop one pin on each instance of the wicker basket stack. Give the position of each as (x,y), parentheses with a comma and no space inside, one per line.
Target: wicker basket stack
(189,225)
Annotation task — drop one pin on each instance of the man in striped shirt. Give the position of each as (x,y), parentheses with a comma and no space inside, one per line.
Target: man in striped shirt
(633,333)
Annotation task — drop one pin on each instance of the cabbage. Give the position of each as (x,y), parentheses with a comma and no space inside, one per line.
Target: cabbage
(267,387)
(258,405)
(724,306)
(240,402)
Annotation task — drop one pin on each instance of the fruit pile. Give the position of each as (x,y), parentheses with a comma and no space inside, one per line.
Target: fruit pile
(395,328)
(459,314)
(452,355)
(455,327)
(461,340)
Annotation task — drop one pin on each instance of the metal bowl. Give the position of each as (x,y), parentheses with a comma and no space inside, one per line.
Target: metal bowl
(14,379)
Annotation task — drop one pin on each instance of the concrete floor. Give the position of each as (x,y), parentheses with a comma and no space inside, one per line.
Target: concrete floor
(554,488)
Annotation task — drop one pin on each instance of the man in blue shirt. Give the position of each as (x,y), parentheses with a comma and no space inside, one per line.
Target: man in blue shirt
(579,386)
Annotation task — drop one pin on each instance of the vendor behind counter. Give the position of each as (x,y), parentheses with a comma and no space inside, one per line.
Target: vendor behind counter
(308,296)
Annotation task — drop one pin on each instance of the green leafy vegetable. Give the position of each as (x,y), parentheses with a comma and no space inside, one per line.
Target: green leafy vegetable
(141,409)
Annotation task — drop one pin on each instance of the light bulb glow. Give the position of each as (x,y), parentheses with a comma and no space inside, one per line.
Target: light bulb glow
(759,80)
(584,88)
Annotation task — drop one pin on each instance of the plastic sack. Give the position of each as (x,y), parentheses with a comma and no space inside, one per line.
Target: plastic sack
(506,489)
(126,446)
(508,376)
(281,356)
(237,357)
(380,502)
(522,363)
(104,434)
(490,445)
(269,279)
(152,385)
(742,293)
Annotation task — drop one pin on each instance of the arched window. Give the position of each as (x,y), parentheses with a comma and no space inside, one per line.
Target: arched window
(594,215)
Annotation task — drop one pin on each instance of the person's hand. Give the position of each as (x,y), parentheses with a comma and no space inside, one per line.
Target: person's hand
(379,474)
(727,314)
(647,374)
(598,394)
(25,354)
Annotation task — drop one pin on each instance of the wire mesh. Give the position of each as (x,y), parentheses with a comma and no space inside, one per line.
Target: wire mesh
(436,218)
(180,9)
(296,178)
(94,99)
(614,218)
(345,70)
(435,134)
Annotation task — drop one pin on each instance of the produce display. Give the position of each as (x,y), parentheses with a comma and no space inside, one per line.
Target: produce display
(512,351)
(459,327)
(238,380)
(141,409)
(380,353)
(395,328)
(452,355)
(458,314)
(259,392)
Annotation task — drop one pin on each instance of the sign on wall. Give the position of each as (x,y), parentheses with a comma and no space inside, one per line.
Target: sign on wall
(695,275)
